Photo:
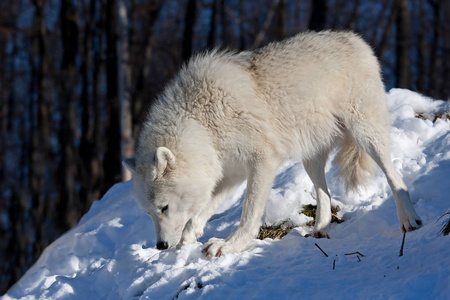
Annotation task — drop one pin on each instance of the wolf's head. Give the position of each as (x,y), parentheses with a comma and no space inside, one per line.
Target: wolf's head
(170,190)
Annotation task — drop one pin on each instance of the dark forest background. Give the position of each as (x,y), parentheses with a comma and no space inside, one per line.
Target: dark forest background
(76,77)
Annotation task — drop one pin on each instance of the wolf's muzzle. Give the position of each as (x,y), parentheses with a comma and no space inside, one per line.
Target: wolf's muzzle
(162,245)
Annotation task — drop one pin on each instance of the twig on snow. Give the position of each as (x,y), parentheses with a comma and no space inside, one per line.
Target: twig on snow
(321,249)
(357,252)
(403,244)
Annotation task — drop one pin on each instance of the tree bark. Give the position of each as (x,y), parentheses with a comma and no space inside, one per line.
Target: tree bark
(189,26)
(141,69)
(436,60)
(422,49)
(384,43)
(282,20)
(87,148)
(242,31)
(69,207)
(212,37)
(227,35)
(124,86)
(318,17)
(262,32)
(403,44)
(354,16)
(445,94)
(40,130)
(112,162)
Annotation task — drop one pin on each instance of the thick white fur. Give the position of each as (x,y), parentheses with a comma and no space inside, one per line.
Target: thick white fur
(227,117)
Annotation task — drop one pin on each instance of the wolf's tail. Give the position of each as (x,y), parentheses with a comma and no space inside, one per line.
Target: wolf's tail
(355,165)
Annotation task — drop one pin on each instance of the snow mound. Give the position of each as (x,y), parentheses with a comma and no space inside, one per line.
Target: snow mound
(110,254)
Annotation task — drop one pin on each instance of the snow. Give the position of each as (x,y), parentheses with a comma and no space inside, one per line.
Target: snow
(110,254)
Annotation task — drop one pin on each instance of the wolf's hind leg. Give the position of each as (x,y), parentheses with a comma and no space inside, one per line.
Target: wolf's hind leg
(375,141)
(316,171)
(408,218)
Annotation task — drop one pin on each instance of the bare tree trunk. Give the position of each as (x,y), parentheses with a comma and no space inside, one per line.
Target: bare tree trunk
(69,206)
(112,162)
(422,50)
(189,26)
(99,107)
(124,86)
(12,234)
(445,94)
(87,148)
(227,34)
(4,114)
(242,31)
(384,43)
(18,256)
(262,32)
(41,131)
(379,23)
(282,20)
(335,17)
(403,44)
(436,60)
(354,16)
(212,37)
(141,67)
(318,17)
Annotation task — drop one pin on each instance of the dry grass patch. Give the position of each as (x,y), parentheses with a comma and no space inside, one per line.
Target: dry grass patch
(310,211)
(445,225)
(279,231)
(433,117)
(274,231)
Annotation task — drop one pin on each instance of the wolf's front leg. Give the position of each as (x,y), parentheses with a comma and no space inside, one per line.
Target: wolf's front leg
(315,168)
(194,228)
(259,184)
(234,175)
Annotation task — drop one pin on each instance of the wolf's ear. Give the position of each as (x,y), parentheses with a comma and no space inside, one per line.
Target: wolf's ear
(130,164)
(163,158)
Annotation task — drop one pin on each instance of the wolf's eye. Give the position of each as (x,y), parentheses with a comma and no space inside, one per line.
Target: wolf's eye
(165,208)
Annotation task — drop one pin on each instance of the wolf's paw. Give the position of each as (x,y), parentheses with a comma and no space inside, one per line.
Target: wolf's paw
(408,218)
(185,241)
(218,247)
(410,223)
(190,237)
(191,233)
(213,248)
(318,234)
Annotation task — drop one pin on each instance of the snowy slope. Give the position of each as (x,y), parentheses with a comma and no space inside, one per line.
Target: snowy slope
(110,254)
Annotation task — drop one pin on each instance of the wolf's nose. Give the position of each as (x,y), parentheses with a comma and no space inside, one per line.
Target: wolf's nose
(162,245)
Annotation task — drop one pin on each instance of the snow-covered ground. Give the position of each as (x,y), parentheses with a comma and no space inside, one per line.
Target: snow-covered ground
(110,254)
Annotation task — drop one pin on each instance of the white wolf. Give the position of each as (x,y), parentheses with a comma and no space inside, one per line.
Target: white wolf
(227,117)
